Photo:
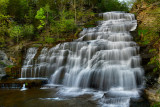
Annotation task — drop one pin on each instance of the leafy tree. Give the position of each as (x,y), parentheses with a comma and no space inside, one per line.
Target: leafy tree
(4,23)
(2,42)
(30,16)
(57,16)
(65,24)
(41,17)
(47,11)
(3,6)
(49,40)
(17,9)
(16,32)
(28,31)
(112,5)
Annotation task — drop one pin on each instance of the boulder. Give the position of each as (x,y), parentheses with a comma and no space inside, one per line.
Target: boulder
(4,62)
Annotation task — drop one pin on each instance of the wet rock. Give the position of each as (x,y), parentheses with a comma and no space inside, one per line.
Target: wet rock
(4,61)
(139,102)
(153,95)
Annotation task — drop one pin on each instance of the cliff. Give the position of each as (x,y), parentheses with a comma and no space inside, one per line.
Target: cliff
(148,17)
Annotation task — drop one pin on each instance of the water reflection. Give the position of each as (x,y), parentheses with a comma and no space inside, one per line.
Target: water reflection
(48,97)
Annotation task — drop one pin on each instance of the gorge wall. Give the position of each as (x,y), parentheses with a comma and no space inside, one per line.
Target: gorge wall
(148,17)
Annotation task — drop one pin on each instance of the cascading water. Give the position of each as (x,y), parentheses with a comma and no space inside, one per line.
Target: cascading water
(104,58)
(27,67)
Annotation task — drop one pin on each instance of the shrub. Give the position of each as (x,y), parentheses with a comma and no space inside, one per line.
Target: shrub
(16,32)
(67,25)
(28,31)
(2,42)
(49,40)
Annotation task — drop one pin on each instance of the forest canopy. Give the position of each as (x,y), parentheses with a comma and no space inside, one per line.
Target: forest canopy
(47,20)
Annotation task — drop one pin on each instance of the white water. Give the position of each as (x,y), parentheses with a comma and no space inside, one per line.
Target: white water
(24,88)
(104,58)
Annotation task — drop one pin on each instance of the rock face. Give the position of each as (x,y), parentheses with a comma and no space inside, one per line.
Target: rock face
(4,61)
(153,95)
(148,16)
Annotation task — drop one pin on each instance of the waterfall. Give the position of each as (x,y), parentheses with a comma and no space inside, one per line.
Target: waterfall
(103,58)
(27,67)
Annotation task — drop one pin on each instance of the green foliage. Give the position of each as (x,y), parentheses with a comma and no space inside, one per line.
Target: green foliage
(30,15)
(16,32)
(4,23)
(156,105)
(60,39)
(144,32)
(145,42)
(10,66)
(40,16)
(146,35)
(20,18)
(64,25)
(152,50)
(151,1)
(83,16)
(2,42)
(48,11)
(113,5)
(47,8)
(49,40)
(3,6)
(92,23)
(17,9)
(28,31)
(155,59)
